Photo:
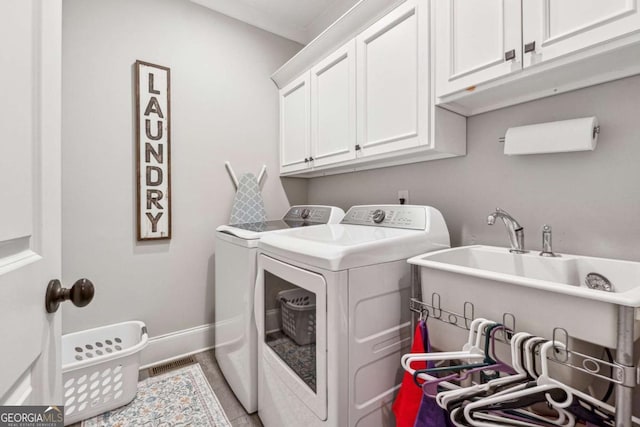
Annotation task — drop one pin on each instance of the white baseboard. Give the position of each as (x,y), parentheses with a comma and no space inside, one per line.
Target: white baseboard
(174,345)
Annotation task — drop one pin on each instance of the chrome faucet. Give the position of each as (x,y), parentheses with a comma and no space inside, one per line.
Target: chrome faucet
(514,230)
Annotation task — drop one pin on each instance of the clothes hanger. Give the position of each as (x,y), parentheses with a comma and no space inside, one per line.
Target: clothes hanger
(455,408)
(523,397)
(508,417)
(516,418)
(520,382)
(532,391)
(581,396)
(469,346)
(512,419)
(476,348)
(486,349)
(429,386)
(581,404)
(456,398)
(470,351)
(505,418)
(444,398)
(529,352)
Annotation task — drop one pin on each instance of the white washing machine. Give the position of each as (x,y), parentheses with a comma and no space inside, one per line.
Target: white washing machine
(235,273)
(332,312)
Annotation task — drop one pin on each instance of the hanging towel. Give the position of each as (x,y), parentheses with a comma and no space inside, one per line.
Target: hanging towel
(429,413)
(248,205)
(406,405)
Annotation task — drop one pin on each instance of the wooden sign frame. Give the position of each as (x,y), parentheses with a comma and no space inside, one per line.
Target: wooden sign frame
(153,151)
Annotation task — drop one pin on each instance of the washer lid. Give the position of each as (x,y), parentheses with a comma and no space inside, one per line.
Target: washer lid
(296,216)
(342,246)
(256,230)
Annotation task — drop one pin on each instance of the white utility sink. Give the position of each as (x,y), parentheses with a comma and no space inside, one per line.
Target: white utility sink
(542,292)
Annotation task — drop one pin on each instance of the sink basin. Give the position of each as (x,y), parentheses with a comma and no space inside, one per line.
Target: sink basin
(542,292)
(565,274)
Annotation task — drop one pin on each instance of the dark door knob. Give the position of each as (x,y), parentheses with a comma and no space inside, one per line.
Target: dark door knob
(80,294)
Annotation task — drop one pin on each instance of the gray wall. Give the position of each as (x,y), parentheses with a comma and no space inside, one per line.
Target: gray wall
(224,107)
(591,199)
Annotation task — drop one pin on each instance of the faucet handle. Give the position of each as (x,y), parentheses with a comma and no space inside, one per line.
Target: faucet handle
(547,249)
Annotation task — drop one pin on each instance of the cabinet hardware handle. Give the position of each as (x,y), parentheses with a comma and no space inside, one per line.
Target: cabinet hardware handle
(358,147)
(510,55)
(306,160)
(311,159)
(530,47)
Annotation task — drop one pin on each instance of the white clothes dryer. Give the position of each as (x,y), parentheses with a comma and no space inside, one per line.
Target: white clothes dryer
(235,276)
(333,319)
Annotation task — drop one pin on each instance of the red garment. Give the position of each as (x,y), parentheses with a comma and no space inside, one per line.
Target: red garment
(409,397)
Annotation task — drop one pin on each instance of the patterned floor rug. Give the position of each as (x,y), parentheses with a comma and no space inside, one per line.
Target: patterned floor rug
(178,398)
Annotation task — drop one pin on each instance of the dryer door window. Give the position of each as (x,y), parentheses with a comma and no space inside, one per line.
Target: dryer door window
(294,338)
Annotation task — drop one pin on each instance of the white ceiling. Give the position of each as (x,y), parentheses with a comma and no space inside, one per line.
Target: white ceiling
(298,20)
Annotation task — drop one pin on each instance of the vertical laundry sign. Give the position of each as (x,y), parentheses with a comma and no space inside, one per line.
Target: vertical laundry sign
(153,140)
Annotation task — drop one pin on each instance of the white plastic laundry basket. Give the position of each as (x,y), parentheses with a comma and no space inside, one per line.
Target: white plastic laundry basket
(100,368)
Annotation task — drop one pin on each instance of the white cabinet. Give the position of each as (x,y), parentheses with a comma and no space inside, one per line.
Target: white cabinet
(317,114)
(553,28)
(495,53)
(393,90)
(333,107)
(476,42)
(369,103)
(295,125)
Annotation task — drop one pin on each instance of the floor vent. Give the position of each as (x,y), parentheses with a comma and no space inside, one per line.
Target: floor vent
(176,364)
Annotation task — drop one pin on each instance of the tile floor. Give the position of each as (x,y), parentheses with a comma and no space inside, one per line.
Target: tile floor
(232,407)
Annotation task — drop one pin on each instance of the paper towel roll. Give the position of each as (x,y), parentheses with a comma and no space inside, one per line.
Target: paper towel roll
(552,137)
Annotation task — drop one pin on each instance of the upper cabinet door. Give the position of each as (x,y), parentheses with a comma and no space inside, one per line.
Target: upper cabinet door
(333,107)
(294,125)
(559,27)
(477,41)
(393,90)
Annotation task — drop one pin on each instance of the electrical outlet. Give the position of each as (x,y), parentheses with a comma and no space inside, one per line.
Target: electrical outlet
(403,194)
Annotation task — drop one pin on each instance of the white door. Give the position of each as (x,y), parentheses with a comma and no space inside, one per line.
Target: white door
(333,107)
(393,86)
(477,41)
(295,132)
(30,57)
(553,28)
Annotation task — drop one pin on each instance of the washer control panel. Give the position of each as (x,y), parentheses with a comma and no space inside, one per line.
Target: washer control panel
(317,214)
(396,216)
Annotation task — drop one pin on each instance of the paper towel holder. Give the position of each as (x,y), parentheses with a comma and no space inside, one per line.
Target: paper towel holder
(596,131)
(562,136)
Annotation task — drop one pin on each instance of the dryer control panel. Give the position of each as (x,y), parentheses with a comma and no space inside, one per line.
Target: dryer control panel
(315,214)
(396,216)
